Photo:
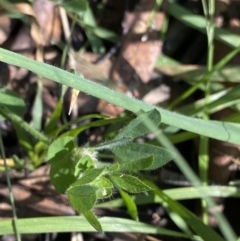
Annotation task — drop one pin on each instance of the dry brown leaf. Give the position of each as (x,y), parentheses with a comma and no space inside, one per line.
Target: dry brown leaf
(5,28)
(141,45)
(35,28)
(47,16)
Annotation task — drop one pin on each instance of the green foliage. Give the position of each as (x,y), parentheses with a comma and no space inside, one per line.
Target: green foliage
(192,220)
(131,205)
(78,171)
(155,155)
(137,127)
(75,6)
(12,101)
(213,129)
(128,183)
(79,224)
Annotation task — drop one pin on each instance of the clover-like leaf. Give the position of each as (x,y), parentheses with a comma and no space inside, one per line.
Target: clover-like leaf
(137,151)
(60,148)
(82,198)
(83,164)
(128,183)
(104,187)
(113,167)
(137,126)
(62,175)
(88,176)
(138,164)
(91,218)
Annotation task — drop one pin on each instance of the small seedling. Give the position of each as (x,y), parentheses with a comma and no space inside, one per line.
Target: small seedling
(78,171)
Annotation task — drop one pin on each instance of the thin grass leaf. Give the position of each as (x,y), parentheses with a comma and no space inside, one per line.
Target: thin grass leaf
(205,79)
(37,109)
(194,72)
(11,197)
(214,129)
(78,130)
(75,6)
(12,101)
(53,121)
(95,42)
(183,193)
(198,22)
(66,126)
(204,231)
(217,102)
(4,111)
(79,224)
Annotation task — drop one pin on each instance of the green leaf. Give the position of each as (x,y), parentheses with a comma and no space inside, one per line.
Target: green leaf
(217,102)
(75,132)
(75,6)
(130,204)
(181,71)
(12,101)
(113,167)
(23,138)
(95,42)
(136,165)
(204,231)
(199,22)
(89,176)
(67,125)
(83,164)
(62,175)
(79,224)
(82,198)
(215,129)
(60,148)
(104,187)
(137,126)
(135,151)
(90,24)
(106,34)
(53,121)
(128,183)
(91,218)
(185,193)
(37,109)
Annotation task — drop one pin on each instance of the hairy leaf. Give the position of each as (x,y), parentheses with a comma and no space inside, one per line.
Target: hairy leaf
(82,198)
(128,183)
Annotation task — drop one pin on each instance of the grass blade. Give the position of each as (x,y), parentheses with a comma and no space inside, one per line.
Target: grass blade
(79,224)
(215,129)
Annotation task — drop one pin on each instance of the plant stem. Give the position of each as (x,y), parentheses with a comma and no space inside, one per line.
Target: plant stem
(19,121)
(203,156)
(192,177)
(11,197)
